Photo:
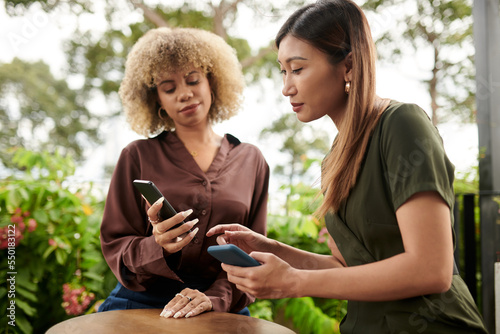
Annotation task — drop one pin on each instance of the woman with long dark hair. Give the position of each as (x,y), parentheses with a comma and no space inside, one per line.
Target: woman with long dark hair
(387,186)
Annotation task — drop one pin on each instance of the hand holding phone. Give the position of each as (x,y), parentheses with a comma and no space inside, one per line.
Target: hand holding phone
(233,255)
(151,193)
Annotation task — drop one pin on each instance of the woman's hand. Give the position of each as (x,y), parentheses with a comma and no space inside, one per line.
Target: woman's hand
(243,237)
(188,303)
(273,279)
(171,239)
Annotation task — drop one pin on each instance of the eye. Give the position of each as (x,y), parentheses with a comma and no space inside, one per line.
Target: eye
(193,82)
(297,71)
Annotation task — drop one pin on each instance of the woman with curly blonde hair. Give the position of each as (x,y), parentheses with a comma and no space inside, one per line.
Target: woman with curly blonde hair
(177,84)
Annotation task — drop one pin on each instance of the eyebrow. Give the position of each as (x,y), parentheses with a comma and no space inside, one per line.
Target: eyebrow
(170,80)
(293,58)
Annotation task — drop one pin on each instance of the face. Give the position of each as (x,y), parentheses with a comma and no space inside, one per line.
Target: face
(315,87)
(185,96)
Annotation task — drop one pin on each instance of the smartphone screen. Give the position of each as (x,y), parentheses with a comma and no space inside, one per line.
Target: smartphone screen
(151,193)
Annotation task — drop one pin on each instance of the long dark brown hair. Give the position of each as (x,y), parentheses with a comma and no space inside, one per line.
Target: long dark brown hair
(339,28)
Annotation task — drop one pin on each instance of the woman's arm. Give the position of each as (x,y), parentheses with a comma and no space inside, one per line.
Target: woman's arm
(301,259)
(424,267)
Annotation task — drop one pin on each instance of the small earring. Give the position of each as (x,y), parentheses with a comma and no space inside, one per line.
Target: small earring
(159,113)
(347,87)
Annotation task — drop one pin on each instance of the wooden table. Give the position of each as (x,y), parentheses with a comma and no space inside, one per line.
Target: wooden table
(149,321)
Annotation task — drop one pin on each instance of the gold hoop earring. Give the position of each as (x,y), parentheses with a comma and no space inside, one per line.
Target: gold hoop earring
(347,87)
(159,114)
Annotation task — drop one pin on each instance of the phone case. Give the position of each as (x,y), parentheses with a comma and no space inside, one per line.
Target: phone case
(233,255)
(149,190)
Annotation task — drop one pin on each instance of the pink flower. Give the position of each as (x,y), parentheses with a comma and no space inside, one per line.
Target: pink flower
(52,242)
(322,235)
(32,225)
(76,301)
(16,219)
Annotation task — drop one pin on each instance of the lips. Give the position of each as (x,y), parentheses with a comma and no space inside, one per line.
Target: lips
(190,108)
(297,106)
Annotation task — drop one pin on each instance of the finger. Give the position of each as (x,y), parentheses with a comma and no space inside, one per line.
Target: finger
(236,237)
(178,231)
(261,256)
(154,210)
(222,240)
(202,307)
(187,303)
(180,300)
(219,229)
(167,224)
(174,247)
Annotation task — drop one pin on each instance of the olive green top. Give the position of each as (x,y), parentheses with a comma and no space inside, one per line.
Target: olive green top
(405,156)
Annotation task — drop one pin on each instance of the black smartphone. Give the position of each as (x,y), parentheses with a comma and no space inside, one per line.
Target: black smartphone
(233,255)
(151,193)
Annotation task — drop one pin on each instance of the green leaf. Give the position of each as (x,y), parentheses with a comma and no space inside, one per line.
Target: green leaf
(26,294)
(61,256)
(23,324)
(48,251)
(21,304)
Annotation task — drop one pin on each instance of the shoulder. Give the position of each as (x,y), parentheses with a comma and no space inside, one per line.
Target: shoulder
(247,151)
(406,120)
(146,143)
(246,148)
(401,113)
(141,148)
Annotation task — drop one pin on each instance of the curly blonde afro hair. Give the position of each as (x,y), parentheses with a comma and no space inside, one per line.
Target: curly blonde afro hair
(170,50)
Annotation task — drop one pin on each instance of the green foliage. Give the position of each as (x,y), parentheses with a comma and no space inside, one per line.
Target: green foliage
(56,241)
(309,318)
(40,112)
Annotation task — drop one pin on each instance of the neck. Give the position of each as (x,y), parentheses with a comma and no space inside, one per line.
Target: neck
(197,136)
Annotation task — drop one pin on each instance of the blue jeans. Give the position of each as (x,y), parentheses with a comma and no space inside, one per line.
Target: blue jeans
(122,298)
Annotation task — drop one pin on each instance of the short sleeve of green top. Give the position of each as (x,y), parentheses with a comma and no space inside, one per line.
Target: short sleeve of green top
(405,156)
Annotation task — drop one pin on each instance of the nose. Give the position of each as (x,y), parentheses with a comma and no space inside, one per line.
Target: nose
(185,93)
(289,88)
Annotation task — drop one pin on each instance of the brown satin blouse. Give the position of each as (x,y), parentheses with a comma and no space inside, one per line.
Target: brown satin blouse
(233,190)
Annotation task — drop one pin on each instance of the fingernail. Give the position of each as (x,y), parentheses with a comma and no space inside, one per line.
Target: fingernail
(187,212)
(177,315)
(195,221)
(195,230)
(162,313)
(189,314)
(159,201)
(167,314)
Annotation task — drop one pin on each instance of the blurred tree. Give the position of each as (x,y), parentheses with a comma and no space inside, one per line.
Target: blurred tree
(442,27)
(97,59)
(18,7)
(40,112)
(300,143)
